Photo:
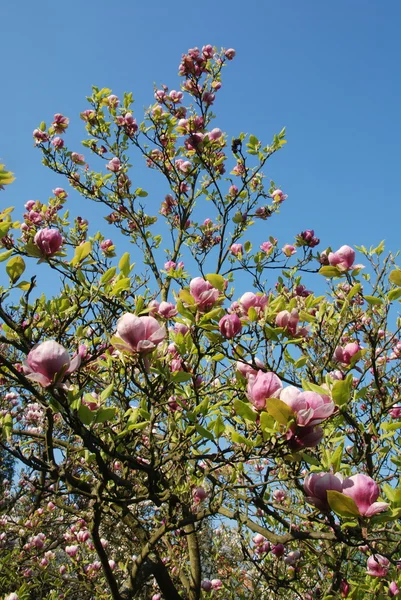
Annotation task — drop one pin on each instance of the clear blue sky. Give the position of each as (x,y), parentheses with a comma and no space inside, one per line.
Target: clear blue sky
(327,70)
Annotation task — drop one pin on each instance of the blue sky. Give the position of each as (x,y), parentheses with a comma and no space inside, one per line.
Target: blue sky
(327,70)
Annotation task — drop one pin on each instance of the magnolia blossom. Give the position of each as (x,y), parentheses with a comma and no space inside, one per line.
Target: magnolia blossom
(310,408)
(139,334)
(344,355)
(49,241)
(246,369)
(364,491)
(278,196)
(262,387)
(288,320)
(230,326)
(236,249)
(114,165)
(393,589)
(204,294)
(316,486)
(288,250)
(378,565)
(48,362)
(167,310)
(199,494)
(343,258)
(249,299)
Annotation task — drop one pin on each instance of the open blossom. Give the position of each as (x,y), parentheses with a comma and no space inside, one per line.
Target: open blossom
(77,158)
(49,241)
(48,362)
(364,491)
(310,408)
(288,250)
(316,486)
(261,387)
(230,326)
(40,136)
(236,249)
(249,299)
(139,334)
(267,247)
(114,165)
(60,123)
(204,294)
(278,196)
(288,320)
(167,310)
(378,565)
(344,355)
(229,54)
(343,258)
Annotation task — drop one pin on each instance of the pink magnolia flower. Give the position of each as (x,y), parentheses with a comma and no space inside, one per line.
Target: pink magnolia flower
(395,412)
(230,326)
(113,101)
(215,134)
(167,310)
(393,589)
(71,550)
(49,241)
(288,250)
(378,565)
(344,355)
(199,494)
(58,143)
(262,387)
(288,320)
(40,136)
(217,584)
(60,123)
(229,54)
(60,193)
(267,247)
(236,249)
(278,196)
(364,491)
(114,165)
(343,258)
(310,408)
(316,486)
(106,245)
(246,369)
(139,334)
(204,294)
(249,299)
(48,362)
(77,158)
(278,550)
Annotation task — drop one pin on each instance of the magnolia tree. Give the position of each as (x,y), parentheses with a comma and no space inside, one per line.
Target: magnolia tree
(175,436)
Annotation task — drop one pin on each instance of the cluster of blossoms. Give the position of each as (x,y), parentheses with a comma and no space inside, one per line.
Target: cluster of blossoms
(361,488)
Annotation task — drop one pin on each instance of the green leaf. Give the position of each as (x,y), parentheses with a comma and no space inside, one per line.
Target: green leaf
(107,392)
(5,255)
(81,252)
(395,277)
(330,271)
(86,415)
(124,264)
(219,426)
(373,300)
(335,459)
(341,504)
(105,414)
(341,392)
(217,281)
(394,294)
(248,246)
(391,426)
(186,297)
(266,421)
(279,410)
(204,432)
(15,267)
(244,410)
(181,376)
(121,286)
(108,275)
